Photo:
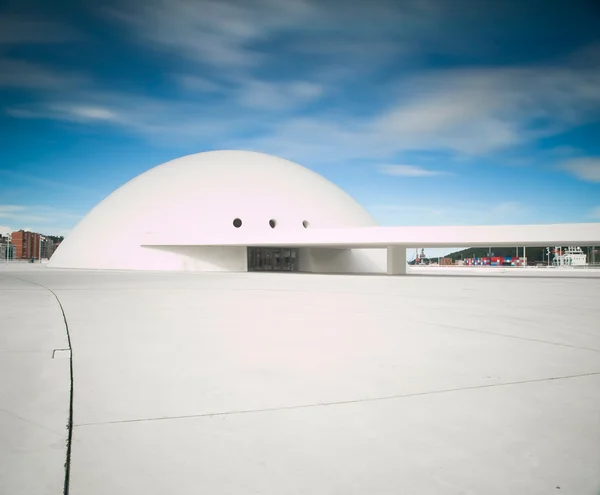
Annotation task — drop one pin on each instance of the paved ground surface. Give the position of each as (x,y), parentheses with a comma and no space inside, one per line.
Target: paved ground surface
(444,382)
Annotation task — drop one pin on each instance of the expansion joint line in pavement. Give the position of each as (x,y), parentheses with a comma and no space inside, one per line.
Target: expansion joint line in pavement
(508,336)
(70,421)
(338,403)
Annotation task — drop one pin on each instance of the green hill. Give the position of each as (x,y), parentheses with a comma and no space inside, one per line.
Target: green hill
(533,253)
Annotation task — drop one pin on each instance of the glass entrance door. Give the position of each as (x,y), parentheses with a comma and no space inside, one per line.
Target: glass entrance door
(265,259)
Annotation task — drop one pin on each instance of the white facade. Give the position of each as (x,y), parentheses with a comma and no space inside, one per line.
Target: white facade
(206,212)
(198,197)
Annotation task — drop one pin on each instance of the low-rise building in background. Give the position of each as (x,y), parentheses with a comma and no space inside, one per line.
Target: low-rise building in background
(48,247)
(27,245)
(7,249)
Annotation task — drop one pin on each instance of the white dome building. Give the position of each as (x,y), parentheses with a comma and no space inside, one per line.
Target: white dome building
(188,214)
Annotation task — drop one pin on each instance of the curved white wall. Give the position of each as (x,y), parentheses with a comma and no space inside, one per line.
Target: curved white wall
(196,258)
(327,260)
(202,194)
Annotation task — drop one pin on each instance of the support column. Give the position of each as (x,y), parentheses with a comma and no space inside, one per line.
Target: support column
(396,260)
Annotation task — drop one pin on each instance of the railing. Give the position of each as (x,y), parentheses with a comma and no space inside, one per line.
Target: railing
(11,261)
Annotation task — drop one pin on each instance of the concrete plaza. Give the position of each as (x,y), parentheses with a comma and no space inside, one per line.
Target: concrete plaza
(446,381)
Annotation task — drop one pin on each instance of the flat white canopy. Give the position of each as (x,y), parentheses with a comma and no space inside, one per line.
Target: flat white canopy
(381,237)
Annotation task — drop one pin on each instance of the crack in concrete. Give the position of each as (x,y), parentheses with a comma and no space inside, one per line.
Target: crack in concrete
(498,334)
(25,420)
(70,419)
(338,403)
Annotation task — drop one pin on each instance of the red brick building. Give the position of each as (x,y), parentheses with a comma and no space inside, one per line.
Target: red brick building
(27,244)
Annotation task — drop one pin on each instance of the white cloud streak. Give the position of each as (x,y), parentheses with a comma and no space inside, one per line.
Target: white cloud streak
(44,182)
(75,112)
(482,110)
(10,209)
(197,83)
(466,111)
(586,169)
(254,94)
(408,171)
(278,96)
(151,117)
(471,213)
(38,218)
(25,75)
(42,214)
(211,31)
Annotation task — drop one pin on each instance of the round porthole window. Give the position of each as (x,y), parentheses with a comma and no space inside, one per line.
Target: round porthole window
(272,223)
(237,223)
(305,224)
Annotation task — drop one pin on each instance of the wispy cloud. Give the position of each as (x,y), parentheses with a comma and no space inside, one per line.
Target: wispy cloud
(466,112)
(481,110)
(327,139)
(408,171)
(71,112)
(252,93)
(212,31)
(44,182)
(587,169)
(235,82)
(176,121)
(152,117)
(91,113)
(463,111)
(455,213)
(10,210)
(276,96)
(231,34)
(196,83)
(235,36)
(19,214)
(25,75)
(37,213)
(40,218)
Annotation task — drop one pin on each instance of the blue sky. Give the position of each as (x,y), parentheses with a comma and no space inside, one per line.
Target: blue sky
(429,112)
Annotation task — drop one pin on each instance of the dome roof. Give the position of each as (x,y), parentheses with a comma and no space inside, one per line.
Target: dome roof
(206,193)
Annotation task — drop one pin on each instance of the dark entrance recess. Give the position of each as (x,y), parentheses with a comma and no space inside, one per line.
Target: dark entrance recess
(266,259)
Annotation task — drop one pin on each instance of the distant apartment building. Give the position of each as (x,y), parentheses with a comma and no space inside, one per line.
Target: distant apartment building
(48,247)
(7,250)
(446,261)
(27,244)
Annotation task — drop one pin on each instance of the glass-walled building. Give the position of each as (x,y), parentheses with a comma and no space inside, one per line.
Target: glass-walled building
(6,249)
